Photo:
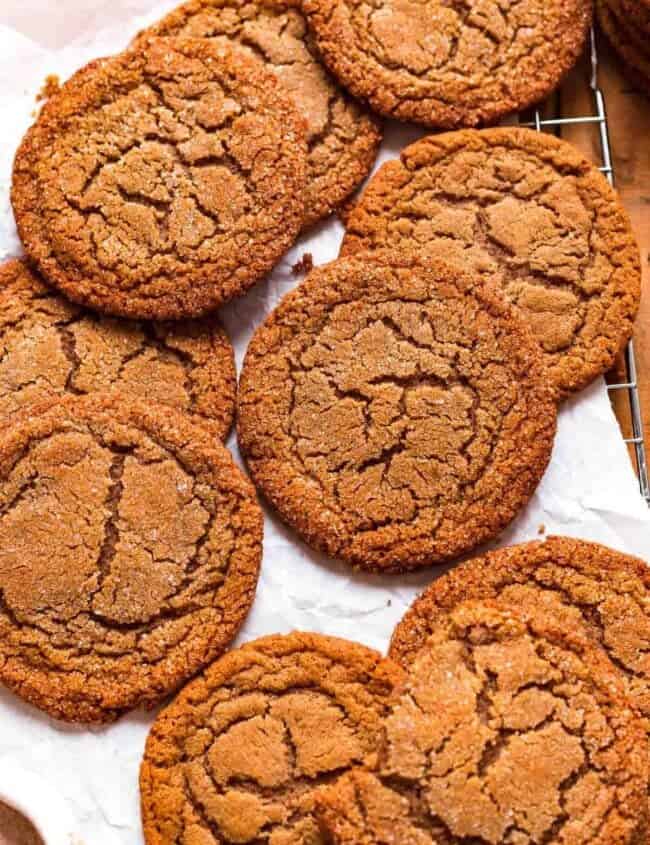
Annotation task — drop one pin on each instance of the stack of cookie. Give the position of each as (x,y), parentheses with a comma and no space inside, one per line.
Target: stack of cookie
(513,709)
(626,23)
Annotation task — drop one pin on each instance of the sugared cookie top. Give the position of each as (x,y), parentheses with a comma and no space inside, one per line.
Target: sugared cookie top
(528,211)
(164,181)
(395,412)
(585,584)
(342,136)
(51,347)
(238,756)
(449,64)
(510,729)
(130,547)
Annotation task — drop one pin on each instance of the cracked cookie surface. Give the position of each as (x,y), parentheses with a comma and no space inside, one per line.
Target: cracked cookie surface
(395,413)
(130,547)
(510,729)
(342,136)
(529,212)
(162,182)
(449,64)
(583,583)
(358,809)
(50,347)
(238,756)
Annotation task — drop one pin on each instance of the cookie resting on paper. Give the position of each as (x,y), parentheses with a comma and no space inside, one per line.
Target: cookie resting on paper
(395,412)
(240,754)
(162,182)
(130,547)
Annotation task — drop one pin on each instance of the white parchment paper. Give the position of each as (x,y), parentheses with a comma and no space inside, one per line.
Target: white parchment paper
(589,491)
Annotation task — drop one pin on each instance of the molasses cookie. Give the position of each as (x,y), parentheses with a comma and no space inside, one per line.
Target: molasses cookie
(130,547)
(238,756)
(510,729)
(584,584)
(449,64)
(162,182)
(528,211)
(342,136)
(49,346)
(395,412)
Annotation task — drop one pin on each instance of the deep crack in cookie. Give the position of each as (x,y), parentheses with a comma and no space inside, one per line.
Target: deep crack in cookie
(163,182)
(51,347)
(395,412)
(238,756)
(528,211)
(130,547)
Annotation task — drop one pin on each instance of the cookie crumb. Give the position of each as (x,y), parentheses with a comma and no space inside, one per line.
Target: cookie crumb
(305,265)
(50,87)
(541,529)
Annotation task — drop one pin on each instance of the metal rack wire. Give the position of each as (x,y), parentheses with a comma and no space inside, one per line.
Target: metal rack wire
(598,118)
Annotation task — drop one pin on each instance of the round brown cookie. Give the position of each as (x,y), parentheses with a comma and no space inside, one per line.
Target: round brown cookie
(395,412)
(583,583)
(130,547)
(49,347)
(239,754)
(528,211)
(164,181)
(510,729)
(449,64)
(635,61)
(342,137)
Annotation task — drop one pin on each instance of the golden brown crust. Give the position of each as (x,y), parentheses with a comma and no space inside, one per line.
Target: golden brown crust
(342,137)
(395,412)
(630,45)
(510,728)
(131,547)
(238,756)
(162,182)
(448,64)
(529,212)
(50,347)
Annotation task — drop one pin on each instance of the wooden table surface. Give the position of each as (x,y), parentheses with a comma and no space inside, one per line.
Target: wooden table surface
(54,24)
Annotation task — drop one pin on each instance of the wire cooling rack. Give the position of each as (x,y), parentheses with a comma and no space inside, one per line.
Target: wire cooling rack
(598,119)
